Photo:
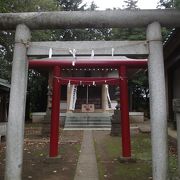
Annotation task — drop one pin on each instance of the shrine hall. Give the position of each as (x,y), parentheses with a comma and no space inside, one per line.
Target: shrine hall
(89,76)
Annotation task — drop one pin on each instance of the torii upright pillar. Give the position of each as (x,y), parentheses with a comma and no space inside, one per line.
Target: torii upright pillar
(54,137)
(125,126)
(15,129)
(158,109)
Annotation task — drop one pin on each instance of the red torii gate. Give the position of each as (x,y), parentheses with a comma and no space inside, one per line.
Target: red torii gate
(121,65)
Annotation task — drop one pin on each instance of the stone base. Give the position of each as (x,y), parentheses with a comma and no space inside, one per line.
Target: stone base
(127,160)
(38,117)
(46,128)
(134,130)
(115,129)
(136,117)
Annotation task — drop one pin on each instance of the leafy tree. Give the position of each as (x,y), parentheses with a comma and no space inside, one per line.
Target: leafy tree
(37,91)
(129,33)
(139,83)
(130,4)
(140,91)
(37,86)
(177,4)
(7,37)
(71,5)
(169,4)
(79,34)
(36,80)
(165,4)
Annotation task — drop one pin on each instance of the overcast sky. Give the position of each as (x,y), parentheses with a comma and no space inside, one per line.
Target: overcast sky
(104,4)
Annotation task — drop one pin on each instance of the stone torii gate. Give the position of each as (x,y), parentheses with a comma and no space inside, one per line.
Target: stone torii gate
(23,22)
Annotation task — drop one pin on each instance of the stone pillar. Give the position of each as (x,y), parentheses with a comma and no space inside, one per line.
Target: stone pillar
(46,123)
(176,109)
(178,139)
(104,99)
(158,112)
(16,118)
(116,117)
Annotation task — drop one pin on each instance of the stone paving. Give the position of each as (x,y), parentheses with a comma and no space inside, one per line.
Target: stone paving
(87,164)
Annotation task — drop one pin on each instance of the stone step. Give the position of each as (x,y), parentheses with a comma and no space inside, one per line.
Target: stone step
(88,114)
(88,126)
(87,120)
(84,123)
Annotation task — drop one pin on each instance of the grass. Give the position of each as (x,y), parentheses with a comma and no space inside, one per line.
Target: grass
(108,149)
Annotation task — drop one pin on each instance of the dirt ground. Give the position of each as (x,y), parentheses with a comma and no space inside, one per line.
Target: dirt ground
(38,166)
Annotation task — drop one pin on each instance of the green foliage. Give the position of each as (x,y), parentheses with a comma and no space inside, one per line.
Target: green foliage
(129,33)
(35,81)
(7,37)
(79,34)
(165,4)
(37,85)
(140,92)
(108,149)
(169,4)
(5,68)
(71,5)
(37,91)
(177,4)
(27,5)
(139,83)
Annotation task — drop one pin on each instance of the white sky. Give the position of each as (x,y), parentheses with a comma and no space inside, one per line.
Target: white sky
(104,4)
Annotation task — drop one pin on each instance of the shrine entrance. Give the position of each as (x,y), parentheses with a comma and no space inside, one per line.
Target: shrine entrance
(152,48)
(58,64)
(88,95)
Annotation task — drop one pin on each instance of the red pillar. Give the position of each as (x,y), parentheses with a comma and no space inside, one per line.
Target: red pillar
(125,126)
(54,136)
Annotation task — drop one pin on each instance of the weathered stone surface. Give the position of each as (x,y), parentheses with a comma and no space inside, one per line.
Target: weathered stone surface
(115,123)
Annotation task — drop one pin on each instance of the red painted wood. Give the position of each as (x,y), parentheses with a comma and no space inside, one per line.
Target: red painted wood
(115,63)
(125,126)
(89,80)
(54,136)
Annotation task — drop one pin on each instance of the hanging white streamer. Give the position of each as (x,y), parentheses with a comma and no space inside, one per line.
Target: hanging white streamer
(50,53)
(73,97)
(73,63)
(92,54)
(73,52)
(112,51)
(108,97)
